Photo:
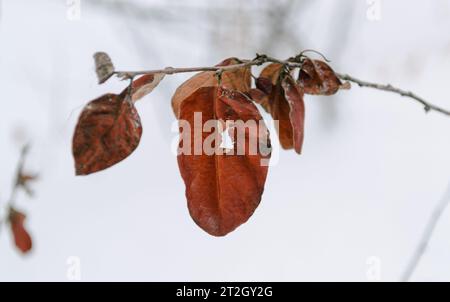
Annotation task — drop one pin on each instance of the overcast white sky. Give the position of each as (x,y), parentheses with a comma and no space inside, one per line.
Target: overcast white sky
(373,164)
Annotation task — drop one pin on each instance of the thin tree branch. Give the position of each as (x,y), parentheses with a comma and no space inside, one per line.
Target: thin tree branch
(259,60)
(295,62)
(19,173)
(17,182)
(427,106)
(426,236)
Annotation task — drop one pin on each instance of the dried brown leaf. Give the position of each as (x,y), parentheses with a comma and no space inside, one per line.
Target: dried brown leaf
(22,238)
(108,130)
(294,97)
(144,85)
(264,84)
(272,72)
(259,97)
(317,77)
(104,67)
(284,101)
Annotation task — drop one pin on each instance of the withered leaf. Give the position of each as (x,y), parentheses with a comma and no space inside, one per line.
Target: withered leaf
(294,97)
(264,84)
(284,102)
(22,238)
(280,110)
(223,189)
(237,79)
(317,77)
(108,130)
(272,72)
(267,81)
(104,67)
(144,85)
(259,96)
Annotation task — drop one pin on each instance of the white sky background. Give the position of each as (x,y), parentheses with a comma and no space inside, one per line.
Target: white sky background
(373,164)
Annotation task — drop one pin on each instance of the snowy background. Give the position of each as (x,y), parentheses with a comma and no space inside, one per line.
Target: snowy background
(373,165)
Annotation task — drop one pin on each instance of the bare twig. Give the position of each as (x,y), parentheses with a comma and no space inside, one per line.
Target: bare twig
(259,60)
(291,63)
(426,236)
(19,173)
(18,182)
(427,106)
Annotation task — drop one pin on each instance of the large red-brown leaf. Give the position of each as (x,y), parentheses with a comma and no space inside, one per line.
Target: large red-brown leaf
(294,97)
(223,190)
(317,77)
(237,79)
(108,130)
(22,238)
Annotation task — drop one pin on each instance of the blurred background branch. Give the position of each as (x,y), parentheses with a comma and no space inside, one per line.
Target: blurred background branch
(430,227)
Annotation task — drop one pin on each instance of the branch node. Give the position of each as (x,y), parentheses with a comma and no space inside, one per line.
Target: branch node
(218,74)
(124,75)
(169,70)
(260,59)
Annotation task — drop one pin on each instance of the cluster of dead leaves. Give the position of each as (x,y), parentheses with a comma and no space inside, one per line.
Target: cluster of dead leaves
(222,190)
